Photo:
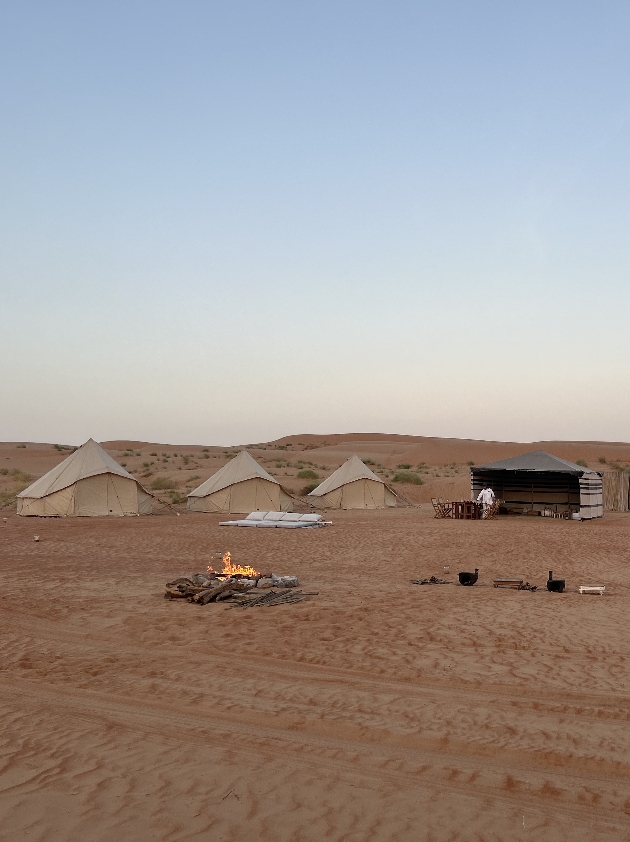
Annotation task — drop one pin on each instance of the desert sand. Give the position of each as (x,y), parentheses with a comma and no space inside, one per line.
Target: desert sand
(378,710)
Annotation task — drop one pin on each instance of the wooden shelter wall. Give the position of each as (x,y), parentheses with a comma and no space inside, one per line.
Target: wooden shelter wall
(616,491)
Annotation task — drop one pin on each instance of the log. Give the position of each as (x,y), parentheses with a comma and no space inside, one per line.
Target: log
(211,594)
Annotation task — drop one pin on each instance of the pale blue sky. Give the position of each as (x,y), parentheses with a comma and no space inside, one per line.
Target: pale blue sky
(224,222)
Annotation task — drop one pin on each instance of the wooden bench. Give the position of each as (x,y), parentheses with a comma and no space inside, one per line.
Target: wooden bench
(596,589)
(507,583)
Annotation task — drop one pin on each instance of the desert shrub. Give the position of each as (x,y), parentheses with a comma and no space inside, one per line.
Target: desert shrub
(311,486)
(307,473)
(21,445)
(21,480)
(177,498)
(196,476)
(146,464)
(186,459)
(404,466)
(408,477)
(123,464)
(470,464)
(4,471)
(162,484)
(205,450)
(206,455)
(152,454)
(581,462)
(368,462)
(602,460)
(6,498)
(147,474)
(20,476)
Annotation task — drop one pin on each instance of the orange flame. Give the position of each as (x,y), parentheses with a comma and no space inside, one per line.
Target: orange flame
(230,569)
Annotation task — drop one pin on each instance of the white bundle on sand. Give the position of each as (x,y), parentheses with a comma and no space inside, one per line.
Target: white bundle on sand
(282,520)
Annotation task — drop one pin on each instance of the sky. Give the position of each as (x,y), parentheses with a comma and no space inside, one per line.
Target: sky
(225,222)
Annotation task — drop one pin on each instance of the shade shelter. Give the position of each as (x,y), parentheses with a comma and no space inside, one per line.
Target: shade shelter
(538,481)
(89,483)
(240,487)
(353,486)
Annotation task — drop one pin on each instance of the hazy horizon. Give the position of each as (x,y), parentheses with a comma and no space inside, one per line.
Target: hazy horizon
(222,223)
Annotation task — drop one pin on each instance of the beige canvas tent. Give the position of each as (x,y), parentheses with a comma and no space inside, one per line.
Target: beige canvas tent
(353,486)
(240,487)
(86,484)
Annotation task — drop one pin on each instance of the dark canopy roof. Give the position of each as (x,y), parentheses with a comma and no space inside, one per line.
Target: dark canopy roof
(537,460)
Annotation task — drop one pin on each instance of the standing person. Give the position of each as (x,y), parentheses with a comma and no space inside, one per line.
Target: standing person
(486,497)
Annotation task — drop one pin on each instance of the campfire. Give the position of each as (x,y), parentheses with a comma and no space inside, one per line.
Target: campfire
(230,570)
(234,583)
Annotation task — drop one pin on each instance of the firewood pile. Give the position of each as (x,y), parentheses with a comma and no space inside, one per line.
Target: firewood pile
(432,580)
(274,598)
(202,589)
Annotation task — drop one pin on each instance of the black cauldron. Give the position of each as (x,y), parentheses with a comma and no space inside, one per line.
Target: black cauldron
(469,579)
(555,585)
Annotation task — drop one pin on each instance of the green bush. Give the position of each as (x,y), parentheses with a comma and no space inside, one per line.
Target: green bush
(152,454)
(404,466)
(177,498)
(581,462)
(368,462)
(470,464)
(307,474)
(162,484)
(4,471)
(6,498)
(186,459)
(408,477)
(311,486)
(602,460)
(21,445)
(206,455)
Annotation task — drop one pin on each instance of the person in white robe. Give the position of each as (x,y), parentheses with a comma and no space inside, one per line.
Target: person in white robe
(486,498)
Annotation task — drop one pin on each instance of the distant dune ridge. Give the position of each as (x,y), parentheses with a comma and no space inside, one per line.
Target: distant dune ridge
(442,464)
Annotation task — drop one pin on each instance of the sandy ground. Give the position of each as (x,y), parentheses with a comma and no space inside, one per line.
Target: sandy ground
(379,710)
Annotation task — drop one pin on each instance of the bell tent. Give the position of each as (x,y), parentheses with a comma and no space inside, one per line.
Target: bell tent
(353,486)
(539,482)
(88,483)
(240,487)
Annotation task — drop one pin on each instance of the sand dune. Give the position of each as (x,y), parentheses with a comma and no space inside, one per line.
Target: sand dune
(442,464)
(376,711)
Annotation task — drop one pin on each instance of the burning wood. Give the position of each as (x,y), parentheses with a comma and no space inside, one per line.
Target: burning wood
(213,591)
(203,588)
(230,569)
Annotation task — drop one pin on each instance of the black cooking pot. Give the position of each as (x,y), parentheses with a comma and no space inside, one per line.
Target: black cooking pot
(555,585)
